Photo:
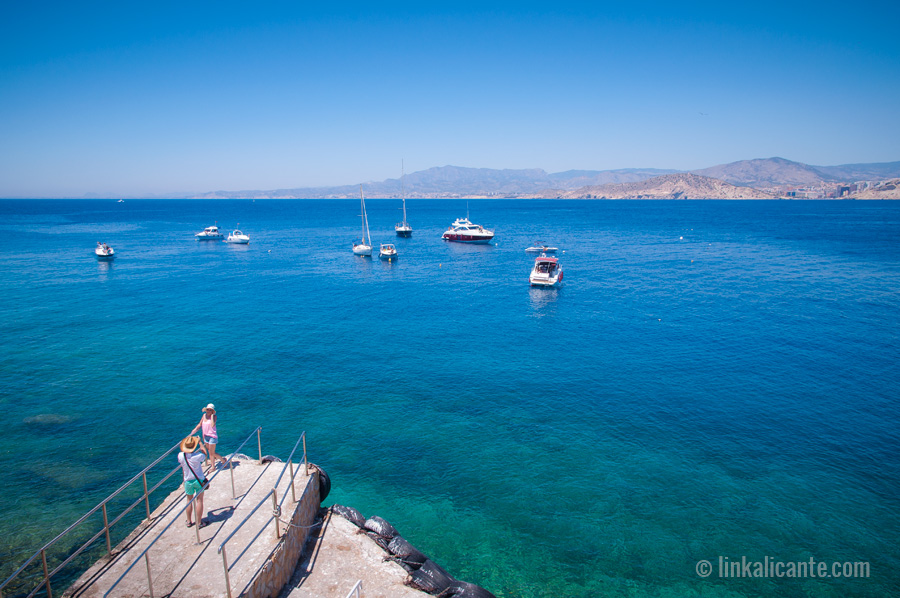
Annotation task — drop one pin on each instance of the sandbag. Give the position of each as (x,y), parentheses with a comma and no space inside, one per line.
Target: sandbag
(350,514)
(431,578)
(381,527)
(380,540)
(406,554)
(464,589)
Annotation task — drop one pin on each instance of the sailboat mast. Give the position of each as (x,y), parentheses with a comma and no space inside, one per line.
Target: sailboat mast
(367,239)
(362,214)
(403,191)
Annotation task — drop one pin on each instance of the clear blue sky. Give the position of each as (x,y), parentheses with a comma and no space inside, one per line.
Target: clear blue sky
(156,97)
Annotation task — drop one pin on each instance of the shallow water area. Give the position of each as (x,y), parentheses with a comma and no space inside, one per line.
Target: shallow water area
(712,379)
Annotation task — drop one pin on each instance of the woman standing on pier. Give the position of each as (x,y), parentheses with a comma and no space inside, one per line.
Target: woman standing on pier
(210,435)
(191,462)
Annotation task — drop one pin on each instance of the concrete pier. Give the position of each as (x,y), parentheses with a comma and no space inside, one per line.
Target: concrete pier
(260,561)
(338,556)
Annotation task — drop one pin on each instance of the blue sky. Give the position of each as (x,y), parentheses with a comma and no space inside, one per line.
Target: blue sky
(153,98)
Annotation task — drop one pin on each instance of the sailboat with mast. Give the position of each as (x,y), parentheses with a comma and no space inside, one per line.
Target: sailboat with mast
(403,228)
(364,247)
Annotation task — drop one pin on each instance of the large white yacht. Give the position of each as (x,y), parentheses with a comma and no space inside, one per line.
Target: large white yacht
(463,231)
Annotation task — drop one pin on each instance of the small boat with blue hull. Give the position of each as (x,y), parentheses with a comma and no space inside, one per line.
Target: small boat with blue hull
(541,249)
(387,251)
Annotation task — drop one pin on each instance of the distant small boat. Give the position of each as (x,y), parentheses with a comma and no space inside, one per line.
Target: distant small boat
(403,229)
(104,251)
(388,251)
(210,233)
(364,247)
(542,249)
(238,237)
(546,272)
(121,201)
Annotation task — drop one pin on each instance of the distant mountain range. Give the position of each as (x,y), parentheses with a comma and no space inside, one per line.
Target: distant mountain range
(765,178)
(681,185)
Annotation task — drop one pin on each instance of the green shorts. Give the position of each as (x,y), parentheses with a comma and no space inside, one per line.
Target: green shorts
(192,487)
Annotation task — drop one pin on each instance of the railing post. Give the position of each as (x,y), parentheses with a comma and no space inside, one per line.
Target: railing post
(106,527)
(275,512)
(149,579)
(146,495)
(225,564)
(259,444)
(46,573)
(231,468)
(192,504)
(305,464)
(293,491)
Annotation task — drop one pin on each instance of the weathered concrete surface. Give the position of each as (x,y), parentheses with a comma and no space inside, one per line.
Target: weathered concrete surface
(180,567)
(337,557)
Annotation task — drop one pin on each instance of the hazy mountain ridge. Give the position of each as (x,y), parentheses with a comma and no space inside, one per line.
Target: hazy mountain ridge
(766,173)
(769,176)
(862,172)
(682,185)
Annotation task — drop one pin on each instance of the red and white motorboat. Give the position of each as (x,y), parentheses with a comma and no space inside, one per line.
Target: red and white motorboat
(463,231)
(546,272)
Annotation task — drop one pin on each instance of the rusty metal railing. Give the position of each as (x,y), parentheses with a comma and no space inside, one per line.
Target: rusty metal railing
(276,512)
(104,531)
(144,554)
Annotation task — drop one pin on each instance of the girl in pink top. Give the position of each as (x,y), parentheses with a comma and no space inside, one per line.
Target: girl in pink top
(210,436)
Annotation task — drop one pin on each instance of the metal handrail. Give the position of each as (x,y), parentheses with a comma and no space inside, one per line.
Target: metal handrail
(291,456)
(42,552)
(228,462)
(105,529)
(357,589)
(190,504)
(289,464)
(276,512)
(174,519)
(241,524)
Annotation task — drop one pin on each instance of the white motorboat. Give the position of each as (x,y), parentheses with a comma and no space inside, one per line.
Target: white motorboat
(210,233)
(104,251)
(388,251)
(542,249)
(403,229)
(463,231)
(546,272)
(364,247)
(237,237)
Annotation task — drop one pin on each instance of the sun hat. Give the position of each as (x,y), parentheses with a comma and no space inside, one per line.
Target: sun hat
(190,444)
(210,406)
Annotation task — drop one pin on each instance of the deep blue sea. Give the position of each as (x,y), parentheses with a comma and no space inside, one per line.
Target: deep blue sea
(715,378)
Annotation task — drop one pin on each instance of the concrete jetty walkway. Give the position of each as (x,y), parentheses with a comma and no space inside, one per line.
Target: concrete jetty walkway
(260,562)
(336,557)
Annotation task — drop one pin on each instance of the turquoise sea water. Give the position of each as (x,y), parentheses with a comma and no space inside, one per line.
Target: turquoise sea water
(714,379)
